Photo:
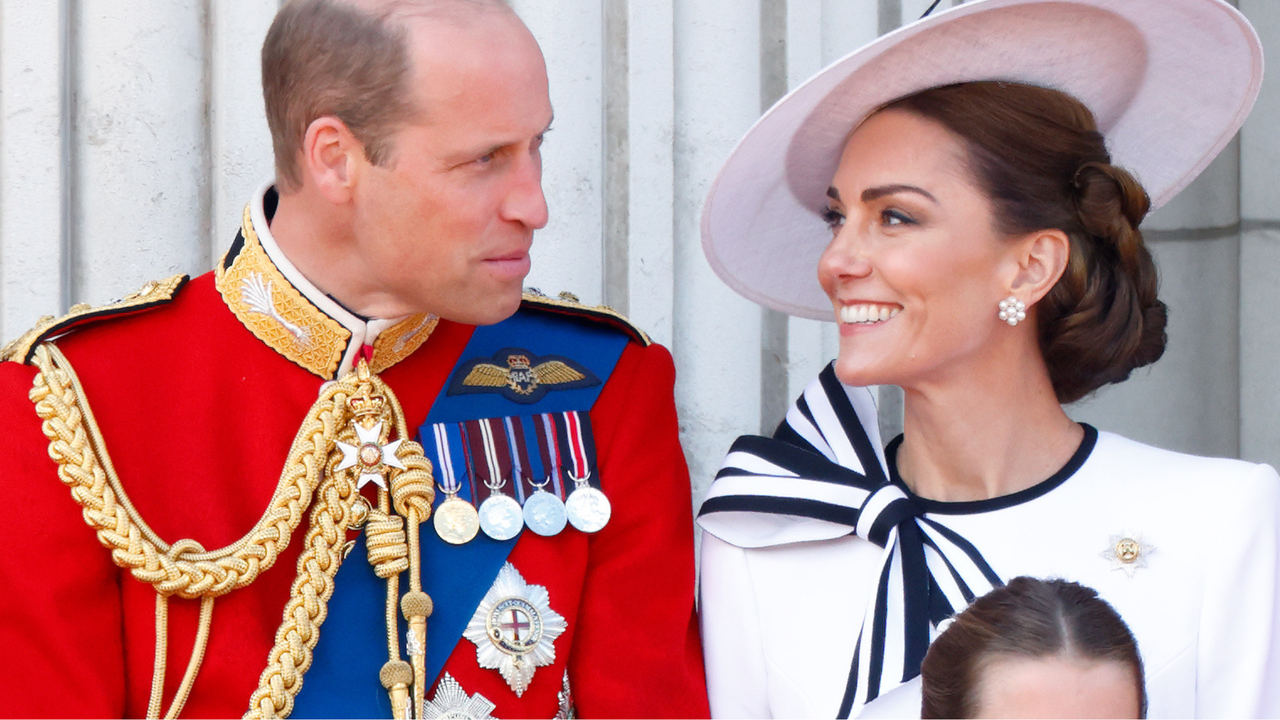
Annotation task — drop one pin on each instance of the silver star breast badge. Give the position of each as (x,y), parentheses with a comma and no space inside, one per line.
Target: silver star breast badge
(514,629)
(452,702)
(1127,552)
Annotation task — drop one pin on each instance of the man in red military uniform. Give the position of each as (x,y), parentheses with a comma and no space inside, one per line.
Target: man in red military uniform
(354,470)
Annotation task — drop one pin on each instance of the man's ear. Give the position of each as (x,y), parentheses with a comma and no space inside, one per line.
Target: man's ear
(330,153)
(1042,258)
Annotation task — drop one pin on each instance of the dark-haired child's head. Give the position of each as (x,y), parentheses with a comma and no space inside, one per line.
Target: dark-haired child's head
(1035,648)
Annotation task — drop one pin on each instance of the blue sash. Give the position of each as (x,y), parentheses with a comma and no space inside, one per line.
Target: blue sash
(343,679)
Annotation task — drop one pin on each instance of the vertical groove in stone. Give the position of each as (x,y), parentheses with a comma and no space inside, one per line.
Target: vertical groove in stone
(206,238)
(68,21)
(774,359)
(888,15)
(890,398)
(617,157)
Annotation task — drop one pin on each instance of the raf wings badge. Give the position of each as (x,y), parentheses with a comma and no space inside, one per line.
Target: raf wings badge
(520,376)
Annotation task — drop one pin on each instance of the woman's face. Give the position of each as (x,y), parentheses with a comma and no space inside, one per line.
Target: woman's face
(915,269)
(1056,687)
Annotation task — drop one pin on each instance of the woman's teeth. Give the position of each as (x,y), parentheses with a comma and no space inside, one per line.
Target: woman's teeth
(867,314)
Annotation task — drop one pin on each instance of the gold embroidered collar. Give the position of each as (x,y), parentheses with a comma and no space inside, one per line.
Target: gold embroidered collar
(286,311)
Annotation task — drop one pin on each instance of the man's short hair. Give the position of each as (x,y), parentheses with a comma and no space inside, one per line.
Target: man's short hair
(347,59)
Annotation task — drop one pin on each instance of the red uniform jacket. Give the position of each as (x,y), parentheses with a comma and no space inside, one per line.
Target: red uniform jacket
(198,415)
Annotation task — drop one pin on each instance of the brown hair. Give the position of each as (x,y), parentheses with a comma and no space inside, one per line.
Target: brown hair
(1026,618)
(330,57)
(1041,160)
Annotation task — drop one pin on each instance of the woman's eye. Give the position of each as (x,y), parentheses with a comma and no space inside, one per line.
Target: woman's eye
(896,217)
(834,218)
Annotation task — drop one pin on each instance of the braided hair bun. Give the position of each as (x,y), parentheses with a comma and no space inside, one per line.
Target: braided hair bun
(1041,160)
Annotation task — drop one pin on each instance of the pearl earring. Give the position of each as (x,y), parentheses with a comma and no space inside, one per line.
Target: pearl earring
(1013,310)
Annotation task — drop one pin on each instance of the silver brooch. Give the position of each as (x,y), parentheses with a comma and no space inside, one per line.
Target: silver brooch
(451,701)
(1127,552)
(514,629)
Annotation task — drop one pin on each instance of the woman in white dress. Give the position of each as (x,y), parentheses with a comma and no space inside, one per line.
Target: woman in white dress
(983,253)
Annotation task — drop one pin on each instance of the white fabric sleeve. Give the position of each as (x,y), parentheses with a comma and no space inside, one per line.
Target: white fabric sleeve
(1238,668)
(731,634)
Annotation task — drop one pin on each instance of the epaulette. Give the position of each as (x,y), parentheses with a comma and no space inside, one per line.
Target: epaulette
(568,304)
(153,294)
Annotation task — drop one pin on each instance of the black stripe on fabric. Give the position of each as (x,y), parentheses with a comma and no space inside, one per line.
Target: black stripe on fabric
(851,685)
(787,434)
(878,629)
(939,507)
(894,514)
(968,549)
(802,405)
(769,505)
(808,464)
(915,599)
(965,591)
(853,429)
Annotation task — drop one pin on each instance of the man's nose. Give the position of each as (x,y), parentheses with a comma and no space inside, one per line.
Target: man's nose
(525,202)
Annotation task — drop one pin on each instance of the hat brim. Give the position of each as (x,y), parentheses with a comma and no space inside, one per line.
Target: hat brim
(1169,81)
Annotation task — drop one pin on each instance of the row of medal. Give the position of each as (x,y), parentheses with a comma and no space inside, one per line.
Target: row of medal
(535,471)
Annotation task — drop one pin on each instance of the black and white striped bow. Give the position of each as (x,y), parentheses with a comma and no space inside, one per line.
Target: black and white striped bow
(821,477)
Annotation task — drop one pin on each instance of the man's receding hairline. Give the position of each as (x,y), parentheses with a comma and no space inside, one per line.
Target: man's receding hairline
(393,11)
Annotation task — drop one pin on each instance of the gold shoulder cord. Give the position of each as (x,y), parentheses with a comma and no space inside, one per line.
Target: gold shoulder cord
(315,467)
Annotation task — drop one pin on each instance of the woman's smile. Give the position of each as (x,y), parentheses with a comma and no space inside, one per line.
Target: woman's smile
(867,313)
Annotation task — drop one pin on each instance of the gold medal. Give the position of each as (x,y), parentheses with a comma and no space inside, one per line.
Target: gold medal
(456,521)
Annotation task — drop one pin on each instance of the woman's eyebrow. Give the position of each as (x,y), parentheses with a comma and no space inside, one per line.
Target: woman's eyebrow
(874,193)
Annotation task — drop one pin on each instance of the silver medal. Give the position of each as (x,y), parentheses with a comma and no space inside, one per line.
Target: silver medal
(588,508)
(544,513)
(500,517)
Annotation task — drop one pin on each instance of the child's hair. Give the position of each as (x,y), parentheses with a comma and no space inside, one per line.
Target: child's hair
(1027,618)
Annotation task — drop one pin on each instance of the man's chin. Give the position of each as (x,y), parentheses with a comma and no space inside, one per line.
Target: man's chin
(488,310)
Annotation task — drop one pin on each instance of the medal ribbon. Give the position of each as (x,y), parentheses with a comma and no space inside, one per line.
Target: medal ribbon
(490,443)
(448,480)
(822,470)
(521,473)
(550,449)
(581,447)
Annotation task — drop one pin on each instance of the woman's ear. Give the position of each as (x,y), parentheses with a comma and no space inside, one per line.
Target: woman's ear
(329,155)
(1042,258)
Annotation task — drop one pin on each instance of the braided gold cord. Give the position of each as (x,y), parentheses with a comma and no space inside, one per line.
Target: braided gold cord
(323,553)
(162,649)
(197,657)
(299,632)
(385,540)
(184,568)
(412,492)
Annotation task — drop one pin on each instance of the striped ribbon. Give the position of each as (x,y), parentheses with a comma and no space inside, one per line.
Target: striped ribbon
(820,477)
(577,436)
(448,481)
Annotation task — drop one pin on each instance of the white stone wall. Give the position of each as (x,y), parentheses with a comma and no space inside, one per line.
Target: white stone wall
(131,133)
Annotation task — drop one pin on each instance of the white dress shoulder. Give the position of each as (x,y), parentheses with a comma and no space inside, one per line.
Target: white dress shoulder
(780,622)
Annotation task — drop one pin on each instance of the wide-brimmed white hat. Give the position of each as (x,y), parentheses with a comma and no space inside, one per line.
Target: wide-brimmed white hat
(1170,82)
